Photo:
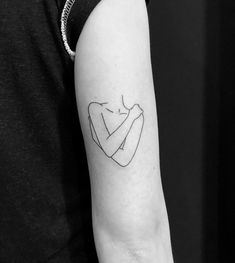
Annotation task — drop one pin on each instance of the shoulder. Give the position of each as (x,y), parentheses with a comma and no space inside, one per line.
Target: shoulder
(95,108)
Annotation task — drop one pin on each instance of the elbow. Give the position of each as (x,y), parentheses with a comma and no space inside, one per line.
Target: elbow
(141,245)
(135,232)
(109,152)
(144,237)
(149,244)
(136,221)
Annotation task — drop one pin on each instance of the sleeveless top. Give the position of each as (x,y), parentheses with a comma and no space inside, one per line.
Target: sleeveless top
(45,204)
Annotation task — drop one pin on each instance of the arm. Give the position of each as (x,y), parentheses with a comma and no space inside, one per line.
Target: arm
(110,143)
(125,154)
(112,58)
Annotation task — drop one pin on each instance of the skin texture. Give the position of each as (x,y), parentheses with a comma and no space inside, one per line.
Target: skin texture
(116,131)
(112,60)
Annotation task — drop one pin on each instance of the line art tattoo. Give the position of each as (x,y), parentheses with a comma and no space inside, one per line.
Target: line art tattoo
(116,130)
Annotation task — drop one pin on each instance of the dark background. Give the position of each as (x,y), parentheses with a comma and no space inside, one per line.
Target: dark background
(227,131)
(186,56)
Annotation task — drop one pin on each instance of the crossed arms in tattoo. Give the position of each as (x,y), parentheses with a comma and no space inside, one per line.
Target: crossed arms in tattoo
(116,130)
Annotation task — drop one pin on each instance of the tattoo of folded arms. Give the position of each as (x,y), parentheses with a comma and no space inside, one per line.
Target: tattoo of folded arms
(116,130)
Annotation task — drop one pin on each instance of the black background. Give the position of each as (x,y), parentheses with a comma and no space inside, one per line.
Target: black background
(186,56)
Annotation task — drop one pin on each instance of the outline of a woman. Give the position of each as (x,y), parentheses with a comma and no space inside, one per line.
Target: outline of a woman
(117,131)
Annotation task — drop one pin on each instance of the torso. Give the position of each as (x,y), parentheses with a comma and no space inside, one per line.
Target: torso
(113,117)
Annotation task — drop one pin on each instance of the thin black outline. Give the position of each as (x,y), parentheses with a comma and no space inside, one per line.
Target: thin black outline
(105,124)
(92,129)
(109,110)
(137,145)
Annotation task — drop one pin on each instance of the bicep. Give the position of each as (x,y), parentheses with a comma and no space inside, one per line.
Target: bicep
(113,59)
(95,112)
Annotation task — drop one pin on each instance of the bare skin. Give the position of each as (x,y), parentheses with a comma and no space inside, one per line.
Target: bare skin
(116,129)
(129,216)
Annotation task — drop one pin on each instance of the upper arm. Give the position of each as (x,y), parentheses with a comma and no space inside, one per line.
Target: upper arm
(113,59)
(95,112)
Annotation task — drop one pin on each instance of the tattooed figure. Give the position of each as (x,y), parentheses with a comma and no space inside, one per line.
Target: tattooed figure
(116,129)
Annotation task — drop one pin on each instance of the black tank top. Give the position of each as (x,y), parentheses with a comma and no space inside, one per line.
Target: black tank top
(45,206)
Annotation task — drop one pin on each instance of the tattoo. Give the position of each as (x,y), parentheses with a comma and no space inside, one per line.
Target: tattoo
(117,131)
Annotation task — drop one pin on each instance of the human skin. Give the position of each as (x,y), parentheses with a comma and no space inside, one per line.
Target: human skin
(129,216)
(116,131)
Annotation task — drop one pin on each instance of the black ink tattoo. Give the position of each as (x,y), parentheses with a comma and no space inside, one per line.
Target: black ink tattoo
(109,110)
(116,132)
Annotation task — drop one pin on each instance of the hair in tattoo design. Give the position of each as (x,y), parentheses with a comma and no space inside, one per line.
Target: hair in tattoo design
(117,131)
